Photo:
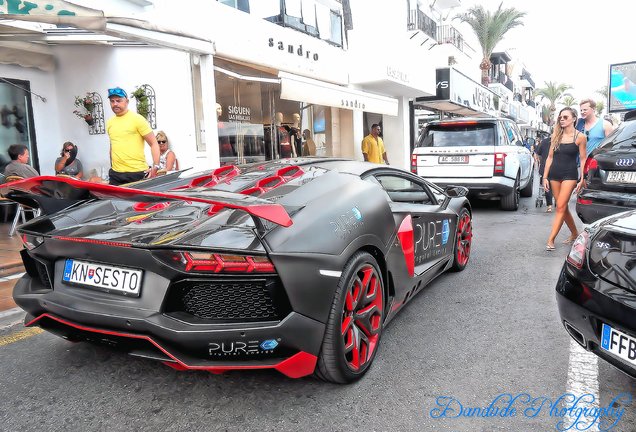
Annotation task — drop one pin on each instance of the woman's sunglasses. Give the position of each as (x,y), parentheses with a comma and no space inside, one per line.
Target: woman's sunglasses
(162,141)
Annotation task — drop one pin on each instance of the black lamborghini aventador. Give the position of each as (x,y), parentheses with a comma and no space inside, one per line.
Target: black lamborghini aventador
(295,265)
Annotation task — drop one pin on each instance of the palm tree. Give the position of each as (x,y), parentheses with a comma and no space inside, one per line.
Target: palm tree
(569,100)
(603,91)
(600,106)
(490,29)
(552,92)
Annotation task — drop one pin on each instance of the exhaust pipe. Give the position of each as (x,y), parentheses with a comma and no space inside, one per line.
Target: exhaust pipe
(576,335)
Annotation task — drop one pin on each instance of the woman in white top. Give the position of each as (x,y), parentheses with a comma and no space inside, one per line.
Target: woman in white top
(167,158)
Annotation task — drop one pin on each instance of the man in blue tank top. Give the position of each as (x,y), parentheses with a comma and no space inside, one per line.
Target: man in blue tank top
(595,128)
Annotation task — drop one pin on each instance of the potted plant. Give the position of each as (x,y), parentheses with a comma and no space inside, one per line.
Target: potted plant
(143,104)
(86,107)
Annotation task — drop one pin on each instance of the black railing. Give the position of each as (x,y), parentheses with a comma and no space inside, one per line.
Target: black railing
(418,20)
(448,34)
(502,78)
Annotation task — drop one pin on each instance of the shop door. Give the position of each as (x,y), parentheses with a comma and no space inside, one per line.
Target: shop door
(16,119)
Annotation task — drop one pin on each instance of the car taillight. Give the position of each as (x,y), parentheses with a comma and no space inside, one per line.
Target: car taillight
(590,164)
(583,201)
(414,163)
(500,164)
(576,256)
(222,263)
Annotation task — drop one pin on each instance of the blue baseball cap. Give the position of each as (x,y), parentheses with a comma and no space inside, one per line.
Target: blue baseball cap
(117,91)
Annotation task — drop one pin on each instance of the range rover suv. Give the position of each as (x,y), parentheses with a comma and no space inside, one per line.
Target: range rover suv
(486,155)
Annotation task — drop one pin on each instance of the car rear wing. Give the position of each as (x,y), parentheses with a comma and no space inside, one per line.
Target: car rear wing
(44,189)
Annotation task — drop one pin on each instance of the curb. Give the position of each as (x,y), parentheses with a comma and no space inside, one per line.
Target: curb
(11,317)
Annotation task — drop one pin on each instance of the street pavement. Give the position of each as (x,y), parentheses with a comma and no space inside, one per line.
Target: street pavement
(490,330)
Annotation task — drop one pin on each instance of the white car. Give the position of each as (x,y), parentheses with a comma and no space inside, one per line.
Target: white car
(486,155)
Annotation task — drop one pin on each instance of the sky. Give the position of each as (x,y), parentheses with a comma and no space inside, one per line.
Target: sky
(565,41)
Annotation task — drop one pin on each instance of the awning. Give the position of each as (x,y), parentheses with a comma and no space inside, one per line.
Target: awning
(27,54)
(297,88)
(450,107)
(66,14)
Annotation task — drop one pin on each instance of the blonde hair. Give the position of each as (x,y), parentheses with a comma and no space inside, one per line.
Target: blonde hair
(555,141)
(161,134)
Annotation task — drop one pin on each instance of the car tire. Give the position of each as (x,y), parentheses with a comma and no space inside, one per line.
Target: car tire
(346,355)
(526,192)
(463,241)
(510,202)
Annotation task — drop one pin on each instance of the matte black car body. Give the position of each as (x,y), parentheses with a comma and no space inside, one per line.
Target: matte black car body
(287,246)
(601,196)
(603,290)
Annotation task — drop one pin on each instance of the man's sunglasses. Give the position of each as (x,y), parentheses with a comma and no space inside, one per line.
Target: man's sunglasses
(117,92)
(162,141)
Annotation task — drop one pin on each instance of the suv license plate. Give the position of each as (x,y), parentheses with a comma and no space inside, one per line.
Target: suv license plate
(621,177)
(117,280)
(619,344)
(453,159)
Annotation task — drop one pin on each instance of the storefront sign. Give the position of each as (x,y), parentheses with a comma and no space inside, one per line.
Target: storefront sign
(397,74)
(457,88)
(293,49)
(239,114)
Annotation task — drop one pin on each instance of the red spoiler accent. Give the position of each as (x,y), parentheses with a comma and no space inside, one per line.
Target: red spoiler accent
(275,213)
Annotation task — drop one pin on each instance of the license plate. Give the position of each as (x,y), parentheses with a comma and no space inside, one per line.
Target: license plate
(619,344)
(621,177)
(453,159)
(113,279)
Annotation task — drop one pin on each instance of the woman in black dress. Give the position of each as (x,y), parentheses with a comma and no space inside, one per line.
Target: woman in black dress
(562,174)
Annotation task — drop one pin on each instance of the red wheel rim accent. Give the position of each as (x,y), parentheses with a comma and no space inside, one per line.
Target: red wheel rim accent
(464,238)
(362,317)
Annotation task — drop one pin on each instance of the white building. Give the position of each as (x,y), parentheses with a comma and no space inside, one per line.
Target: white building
(277,69)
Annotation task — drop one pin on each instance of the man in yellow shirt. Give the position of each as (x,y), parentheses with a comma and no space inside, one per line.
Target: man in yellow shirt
(127,131)
(373,146)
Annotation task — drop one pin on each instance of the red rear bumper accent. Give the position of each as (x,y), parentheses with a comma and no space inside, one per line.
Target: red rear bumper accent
(299,365)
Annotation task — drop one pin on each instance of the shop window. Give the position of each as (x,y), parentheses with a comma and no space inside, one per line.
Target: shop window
(255,124)
(16,119)
(243,5)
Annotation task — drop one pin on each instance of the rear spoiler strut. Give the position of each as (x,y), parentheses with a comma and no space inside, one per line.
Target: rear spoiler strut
(70,188)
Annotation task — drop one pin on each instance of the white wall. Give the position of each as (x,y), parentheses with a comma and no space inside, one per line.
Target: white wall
(95,68)
(396,138)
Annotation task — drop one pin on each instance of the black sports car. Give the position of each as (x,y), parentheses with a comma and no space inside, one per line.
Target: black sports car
(295,265)
(610,173)
(596,291)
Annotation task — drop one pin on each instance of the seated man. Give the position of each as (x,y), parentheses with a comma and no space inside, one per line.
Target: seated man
(18,166)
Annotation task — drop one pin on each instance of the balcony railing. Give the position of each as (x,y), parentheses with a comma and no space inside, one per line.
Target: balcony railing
(448,34)
(418,20)
(502,78)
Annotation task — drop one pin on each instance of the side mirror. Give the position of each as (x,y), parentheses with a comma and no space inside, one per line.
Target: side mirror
(456,191)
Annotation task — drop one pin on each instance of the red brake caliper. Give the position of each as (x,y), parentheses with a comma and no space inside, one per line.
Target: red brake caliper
(464,238)
(362,317)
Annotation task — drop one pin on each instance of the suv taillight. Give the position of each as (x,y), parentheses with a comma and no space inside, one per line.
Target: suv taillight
(590,164)
(500,164)
(414,163)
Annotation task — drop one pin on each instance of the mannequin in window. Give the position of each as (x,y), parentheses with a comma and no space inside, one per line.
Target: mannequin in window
(282,138)
(309,146)
(225,146)
(295,136)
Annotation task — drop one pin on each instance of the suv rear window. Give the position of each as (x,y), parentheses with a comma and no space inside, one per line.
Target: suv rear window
(451,135)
